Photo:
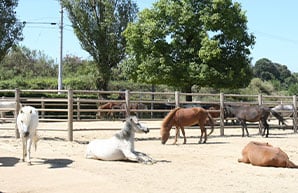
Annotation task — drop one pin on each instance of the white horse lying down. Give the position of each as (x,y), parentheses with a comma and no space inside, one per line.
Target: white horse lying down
(7,106)
(121,145)
(27,122)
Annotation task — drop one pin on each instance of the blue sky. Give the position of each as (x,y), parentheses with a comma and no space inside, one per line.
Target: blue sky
(272,22)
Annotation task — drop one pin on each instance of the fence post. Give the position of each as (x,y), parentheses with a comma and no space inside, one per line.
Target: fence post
(295,114)
(70,114)
(177,99)
(222,116)
(17,109)
(260,99)
(127,102)
(43,107)
(78,109)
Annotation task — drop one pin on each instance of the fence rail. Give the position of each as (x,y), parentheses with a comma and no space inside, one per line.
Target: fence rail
(81,105)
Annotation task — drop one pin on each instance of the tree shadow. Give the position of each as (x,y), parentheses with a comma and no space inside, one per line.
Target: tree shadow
(8,161)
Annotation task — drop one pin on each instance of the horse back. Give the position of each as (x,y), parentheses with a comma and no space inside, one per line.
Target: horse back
(190,116)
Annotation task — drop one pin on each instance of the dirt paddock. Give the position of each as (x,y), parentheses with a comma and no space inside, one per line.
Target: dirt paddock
(60,166)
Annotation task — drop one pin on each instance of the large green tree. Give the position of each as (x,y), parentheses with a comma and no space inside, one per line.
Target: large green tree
(99,24)
(10,28)
(185,43)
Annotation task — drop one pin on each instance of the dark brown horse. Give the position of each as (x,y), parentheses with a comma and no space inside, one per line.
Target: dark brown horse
(180,117)
(255,113)
(213,112)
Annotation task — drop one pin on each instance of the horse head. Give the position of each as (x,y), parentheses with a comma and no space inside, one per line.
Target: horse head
(228,111)
(136,125)
(166,125)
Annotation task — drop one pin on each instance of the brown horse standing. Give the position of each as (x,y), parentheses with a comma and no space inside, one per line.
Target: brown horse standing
(180,117)
(106,106)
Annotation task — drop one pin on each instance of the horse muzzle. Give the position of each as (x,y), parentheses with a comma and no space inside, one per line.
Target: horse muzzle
(146,130)
(26,134)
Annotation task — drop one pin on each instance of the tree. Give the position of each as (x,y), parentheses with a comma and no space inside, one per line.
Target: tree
(26,63)
(10,28)
(270,71)
(185,43)
(99,24)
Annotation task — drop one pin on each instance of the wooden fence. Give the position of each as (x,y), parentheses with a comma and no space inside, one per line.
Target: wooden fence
(81,105)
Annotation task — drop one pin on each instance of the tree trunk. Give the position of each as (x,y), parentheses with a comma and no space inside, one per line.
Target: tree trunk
(187,90)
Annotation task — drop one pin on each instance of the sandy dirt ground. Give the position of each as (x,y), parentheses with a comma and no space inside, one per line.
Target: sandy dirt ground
(59,165)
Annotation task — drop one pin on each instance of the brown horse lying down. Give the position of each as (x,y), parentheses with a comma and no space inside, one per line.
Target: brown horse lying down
(264,154)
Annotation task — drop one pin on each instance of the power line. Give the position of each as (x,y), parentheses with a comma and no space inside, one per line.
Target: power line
(45,23)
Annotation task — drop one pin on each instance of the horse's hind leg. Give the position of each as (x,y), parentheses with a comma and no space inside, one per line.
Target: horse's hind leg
(203,132)
(183,133)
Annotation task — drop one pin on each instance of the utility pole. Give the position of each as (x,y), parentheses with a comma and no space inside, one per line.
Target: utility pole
(61,52)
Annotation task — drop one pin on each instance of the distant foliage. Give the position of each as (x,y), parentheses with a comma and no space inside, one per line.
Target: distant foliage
(10,27)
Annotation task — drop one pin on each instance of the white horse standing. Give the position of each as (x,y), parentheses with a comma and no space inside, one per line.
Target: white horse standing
(121,145)
(27,122)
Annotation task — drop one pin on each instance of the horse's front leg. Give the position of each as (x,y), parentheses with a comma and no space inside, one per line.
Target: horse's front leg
(244,126)
(28,150)
(176,135)
(144,158)
(130,155)
(24,145)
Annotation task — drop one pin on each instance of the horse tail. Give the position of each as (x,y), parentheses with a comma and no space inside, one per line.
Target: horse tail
(278,116)
(169,117)
(211,123)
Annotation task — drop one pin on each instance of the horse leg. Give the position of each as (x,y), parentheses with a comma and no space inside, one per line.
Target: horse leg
(130,155)
(244,126)
(144,158)
(183,133)
(261,125)
(29,143)
(203,132)
(176,135)
(24,144)
(266,127)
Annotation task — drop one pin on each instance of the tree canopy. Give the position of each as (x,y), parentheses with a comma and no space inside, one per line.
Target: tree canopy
(10,28)
(186,43)
(267,70)
(99,25)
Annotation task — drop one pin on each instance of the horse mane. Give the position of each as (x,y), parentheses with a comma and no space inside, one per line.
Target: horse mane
(169,117)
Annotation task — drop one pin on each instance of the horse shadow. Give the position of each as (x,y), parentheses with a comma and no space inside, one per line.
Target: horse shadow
(58,163)
(8,161)
(54,163)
